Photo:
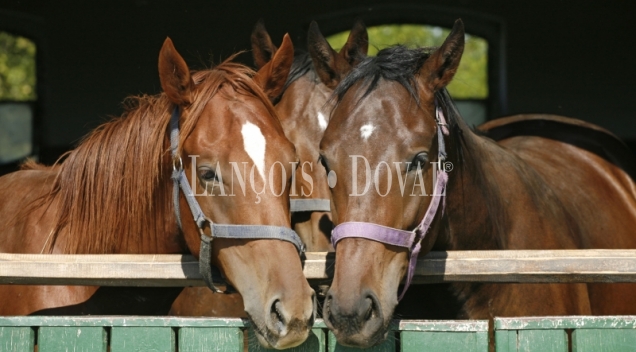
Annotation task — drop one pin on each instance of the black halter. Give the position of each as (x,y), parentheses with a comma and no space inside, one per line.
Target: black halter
(211,274)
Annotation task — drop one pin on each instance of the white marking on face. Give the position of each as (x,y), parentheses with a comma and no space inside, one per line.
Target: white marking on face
(366,130)
(322,121)
(254,144)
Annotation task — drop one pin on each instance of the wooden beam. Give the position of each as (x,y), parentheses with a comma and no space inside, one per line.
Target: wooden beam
(528,266)
(539,266)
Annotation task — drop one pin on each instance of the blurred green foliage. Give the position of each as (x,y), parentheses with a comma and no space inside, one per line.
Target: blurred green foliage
(17,68)
(471,80)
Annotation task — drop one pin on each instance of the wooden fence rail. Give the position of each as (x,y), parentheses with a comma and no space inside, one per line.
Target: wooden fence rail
(466,266)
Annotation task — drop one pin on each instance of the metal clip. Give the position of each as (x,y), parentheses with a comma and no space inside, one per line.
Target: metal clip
(174,164)
(440,160)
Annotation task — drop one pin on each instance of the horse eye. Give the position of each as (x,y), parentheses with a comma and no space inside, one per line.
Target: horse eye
(420,161)
(207,174)
(323,162)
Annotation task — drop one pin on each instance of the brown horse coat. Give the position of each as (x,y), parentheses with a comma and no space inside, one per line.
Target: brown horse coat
(525,191)
(113,194)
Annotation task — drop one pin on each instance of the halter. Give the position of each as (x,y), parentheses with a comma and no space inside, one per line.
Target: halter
(312,204)
(401,238)
(211,274)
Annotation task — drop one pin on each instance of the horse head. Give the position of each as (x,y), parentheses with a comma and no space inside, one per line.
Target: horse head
(239,165)
(301,107)
(384,141)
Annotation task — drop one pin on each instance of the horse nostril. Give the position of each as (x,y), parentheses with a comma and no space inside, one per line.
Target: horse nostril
(372,310)
(326,309)
(315,309)
(276,315)
(369,314)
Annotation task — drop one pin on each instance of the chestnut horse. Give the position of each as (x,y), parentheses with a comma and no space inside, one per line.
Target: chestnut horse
(301,108)
(114,194)
(525,191)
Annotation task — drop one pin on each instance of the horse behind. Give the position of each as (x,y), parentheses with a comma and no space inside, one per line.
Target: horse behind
(396,127)
(114,194)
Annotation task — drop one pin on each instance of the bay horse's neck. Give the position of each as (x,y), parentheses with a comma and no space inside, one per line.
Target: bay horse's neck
(496,200)
(475,210)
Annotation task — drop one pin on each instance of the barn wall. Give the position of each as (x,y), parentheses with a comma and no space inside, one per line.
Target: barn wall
(568,58)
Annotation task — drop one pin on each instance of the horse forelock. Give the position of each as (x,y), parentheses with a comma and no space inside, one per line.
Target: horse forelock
(397,63)
(114,190)
(301,66)
(238,76)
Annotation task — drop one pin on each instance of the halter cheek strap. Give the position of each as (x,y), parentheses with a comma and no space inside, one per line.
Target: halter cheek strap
(211,274)
(402,238)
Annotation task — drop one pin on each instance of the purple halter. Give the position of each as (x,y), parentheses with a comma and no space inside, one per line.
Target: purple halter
(401,238)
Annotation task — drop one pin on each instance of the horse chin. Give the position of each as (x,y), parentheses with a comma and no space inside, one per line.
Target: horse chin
(361,340)
(282,337)
(355,331)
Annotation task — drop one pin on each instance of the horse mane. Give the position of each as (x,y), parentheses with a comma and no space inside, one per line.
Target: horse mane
(114,189)
(401,64)
(301,66)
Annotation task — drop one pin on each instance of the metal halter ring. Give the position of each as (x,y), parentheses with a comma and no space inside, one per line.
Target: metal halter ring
(201,227)
(174,164)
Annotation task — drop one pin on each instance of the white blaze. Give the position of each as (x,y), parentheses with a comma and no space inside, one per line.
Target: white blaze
(322,121)
(366,130)
(254,144)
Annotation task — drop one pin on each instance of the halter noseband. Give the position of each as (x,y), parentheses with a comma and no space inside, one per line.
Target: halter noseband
(210,274)
(401,238)
(310,204)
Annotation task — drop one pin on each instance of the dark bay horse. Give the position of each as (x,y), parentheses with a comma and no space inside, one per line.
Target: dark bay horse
(395,131)
(114,194)
(302,108)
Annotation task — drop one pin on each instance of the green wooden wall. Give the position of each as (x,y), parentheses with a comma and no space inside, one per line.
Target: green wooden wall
(581,334)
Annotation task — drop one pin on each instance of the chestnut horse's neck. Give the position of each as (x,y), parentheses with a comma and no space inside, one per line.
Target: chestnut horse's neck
(114,189)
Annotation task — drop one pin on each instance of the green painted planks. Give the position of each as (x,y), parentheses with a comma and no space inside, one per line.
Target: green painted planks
(16,339)
(542,341)
(387,346)
(531,341)
(604,340)
(76,339)
(210,339)
(415,341)
(315,343)
(506,341)
(138,339)
(567,322)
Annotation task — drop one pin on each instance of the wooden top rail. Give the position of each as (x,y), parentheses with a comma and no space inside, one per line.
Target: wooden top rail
(536,266)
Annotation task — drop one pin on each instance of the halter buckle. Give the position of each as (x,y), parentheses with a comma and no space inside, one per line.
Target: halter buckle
(177,161)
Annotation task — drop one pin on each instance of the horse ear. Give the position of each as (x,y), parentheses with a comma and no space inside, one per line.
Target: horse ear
(262,47)
(440,68)
(174,75)
(357,46)
(328,64)
(273,75)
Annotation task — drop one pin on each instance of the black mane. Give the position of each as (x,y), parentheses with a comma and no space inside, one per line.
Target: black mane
(397,63)
(301,66)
